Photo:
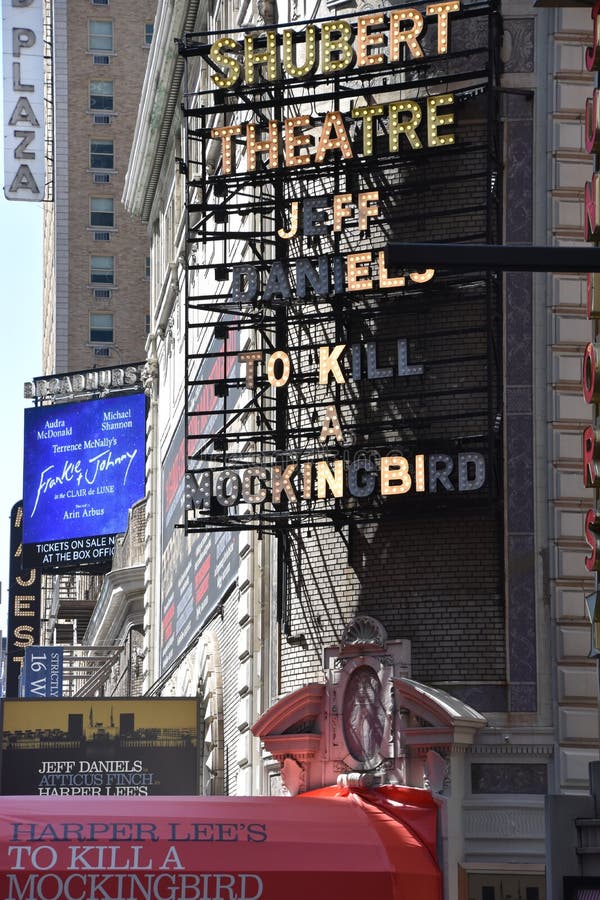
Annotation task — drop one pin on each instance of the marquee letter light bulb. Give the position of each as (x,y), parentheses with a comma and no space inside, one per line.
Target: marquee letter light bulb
(408,36)
(255,58)
(341,210)
(293,140)
(226,133)
(442,10)
(270,145)
(326,478)
(365,39)
(254,473)
(336,53)
(279,356)
(333,122)
(291,67)
(434,121)
(224,61)
(368,114)
(394,469)
(407,127)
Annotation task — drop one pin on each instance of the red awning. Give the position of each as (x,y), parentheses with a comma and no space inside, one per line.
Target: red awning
(320,845)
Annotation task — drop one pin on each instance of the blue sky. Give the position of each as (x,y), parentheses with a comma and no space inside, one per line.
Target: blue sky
(20,352)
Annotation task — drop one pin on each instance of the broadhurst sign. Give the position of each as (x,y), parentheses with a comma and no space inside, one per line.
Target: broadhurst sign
(84,467)
(23,82)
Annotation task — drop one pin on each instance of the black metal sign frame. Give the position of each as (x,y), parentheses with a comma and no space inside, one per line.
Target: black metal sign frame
(419,377)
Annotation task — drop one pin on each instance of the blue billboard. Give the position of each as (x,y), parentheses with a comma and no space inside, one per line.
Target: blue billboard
(83,468)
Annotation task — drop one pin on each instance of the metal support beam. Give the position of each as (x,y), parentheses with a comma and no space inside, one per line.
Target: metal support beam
(495,257)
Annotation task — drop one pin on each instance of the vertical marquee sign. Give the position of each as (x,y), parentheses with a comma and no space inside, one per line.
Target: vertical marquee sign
(24,599)
(23,84)
(309,146)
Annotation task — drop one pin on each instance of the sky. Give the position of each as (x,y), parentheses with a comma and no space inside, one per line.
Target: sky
(20,353)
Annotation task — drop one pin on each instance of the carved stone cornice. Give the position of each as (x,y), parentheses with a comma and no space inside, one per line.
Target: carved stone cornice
(301,747)
(512,749)
(304,704)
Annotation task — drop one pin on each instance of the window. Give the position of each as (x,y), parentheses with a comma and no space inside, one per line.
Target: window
(101,95)
(102,270)
(148,33)
(100,2)
(102,155)
(502,885)
(101,328)
(100,37)
(147,267)
(102,213)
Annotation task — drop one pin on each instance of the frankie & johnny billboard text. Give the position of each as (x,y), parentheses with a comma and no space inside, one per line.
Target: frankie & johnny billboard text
(83,469)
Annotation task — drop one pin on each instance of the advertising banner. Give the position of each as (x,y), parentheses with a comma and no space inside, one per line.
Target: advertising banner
(96,747)
(42,672)
(23,82)
(84,467)
(196,572)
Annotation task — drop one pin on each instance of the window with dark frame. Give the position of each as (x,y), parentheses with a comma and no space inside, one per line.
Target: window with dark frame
(100,36)
(102,212)
(102,270)
(101,95)
(101,328)
(102,155)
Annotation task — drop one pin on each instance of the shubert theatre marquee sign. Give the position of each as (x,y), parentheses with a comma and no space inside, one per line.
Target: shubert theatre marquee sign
(334,136)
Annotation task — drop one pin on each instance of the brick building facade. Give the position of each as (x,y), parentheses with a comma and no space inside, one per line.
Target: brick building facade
(96,273)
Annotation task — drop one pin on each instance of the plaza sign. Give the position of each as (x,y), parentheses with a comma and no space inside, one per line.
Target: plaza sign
(23,81)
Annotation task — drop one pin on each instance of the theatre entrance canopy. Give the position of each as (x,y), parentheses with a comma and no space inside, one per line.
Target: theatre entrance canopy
(378,843)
